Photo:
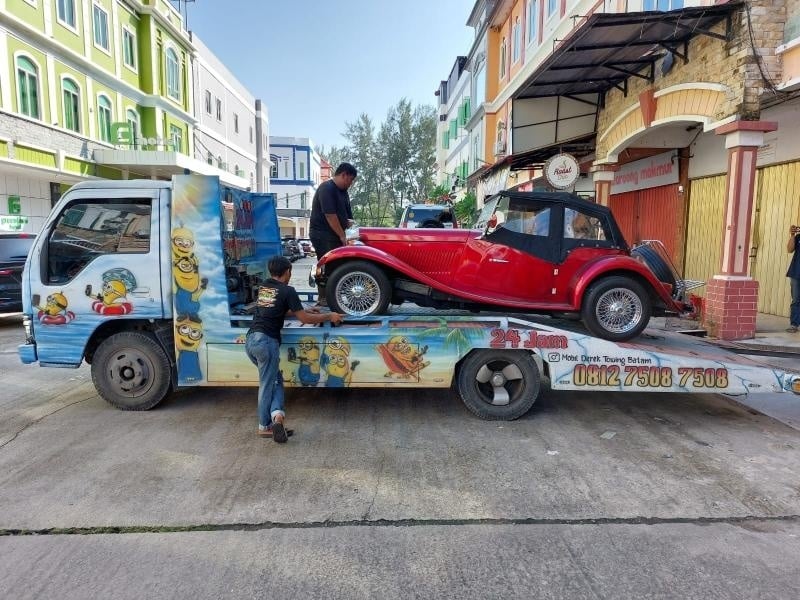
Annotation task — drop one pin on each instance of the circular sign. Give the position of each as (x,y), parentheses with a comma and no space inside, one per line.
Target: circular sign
(562,171)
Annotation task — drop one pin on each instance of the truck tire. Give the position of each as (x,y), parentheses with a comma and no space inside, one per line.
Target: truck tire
(498,385)
(358,288)
(616,308)
(131,371)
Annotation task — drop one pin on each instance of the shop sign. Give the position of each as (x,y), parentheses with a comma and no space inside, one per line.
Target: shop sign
(562,171)
(123,134)
(651,172)
(14,205)
(12,222)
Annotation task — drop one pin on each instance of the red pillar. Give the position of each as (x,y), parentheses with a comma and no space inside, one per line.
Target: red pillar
(732,295)
(603,175)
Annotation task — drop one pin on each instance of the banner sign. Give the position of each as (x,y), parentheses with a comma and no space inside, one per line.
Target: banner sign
(654,171)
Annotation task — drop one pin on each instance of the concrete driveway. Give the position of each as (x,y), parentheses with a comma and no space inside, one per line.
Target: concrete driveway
(390,494)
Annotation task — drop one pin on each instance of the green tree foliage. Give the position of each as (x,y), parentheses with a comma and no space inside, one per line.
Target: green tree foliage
(466,210)
(394,160)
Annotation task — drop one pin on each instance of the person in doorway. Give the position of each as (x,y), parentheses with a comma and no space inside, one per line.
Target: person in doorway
(276,299)
(793,247)
(331,215)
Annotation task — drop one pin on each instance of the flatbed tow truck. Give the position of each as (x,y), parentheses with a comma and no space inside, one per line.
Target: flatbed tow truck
(153,284)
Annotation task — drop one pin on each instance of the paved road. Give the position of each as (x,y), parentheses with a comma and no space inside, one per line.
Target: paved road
(390,494)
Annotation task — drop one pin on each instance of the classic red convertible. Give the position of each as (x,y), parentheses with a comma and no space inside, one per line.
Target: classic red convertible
(535,252)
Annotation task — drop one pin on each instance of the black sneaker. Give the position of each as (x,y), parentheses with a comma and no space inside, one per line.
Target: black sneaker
(279,433)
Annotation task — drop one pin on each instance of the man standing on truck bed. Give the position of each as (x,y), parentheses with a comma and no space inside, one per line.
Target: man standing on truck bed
(276,299)
(331,214)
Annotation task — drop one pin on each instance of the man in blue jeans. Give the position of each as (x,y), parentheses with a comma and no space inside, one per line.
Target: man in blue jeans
(793,247)
(276,299)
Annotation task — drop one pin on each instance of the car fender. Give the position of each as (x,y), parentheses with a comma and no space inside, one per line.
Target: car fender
(362,252)
(617,265)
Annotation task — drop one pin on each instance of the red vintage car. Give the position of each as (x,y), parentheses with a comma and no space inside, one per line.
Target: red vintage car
(535,252)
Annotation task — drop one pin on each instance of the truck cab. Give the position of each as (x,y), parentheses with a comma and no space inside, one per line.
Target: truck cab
(138,273)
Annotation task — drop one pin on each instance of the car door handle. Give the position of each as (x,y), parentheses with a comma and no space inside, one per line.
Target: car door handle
(498,260)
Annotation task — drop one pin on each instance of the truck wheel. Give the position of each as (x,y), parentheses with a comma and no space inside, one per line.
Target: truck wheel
(131,371)
(498,385)
(616,308)
(358,288)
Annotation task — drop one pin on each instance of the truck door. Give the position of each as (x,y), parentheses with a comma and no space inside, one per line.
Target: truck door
(96,260)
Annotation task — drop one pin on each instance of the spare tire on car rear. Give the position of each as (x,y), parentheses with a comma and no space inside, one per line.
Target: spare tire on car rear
(656,263)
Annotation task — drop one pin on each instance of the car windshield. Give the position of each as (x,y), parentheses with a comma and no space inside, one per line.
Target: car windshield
(486,212)
(415,215)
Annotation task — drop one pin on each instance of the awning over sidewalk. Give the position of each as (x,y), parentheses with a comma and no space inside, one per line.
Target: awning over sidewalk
(608,48)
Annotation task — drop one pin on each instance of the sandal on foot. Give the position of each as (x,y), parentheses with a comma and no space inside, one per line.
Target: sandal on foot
(267,433)
(279,433)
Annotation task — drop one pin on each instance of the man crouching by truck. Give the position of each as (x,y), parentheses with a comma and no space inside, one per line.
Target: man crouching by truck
(276,300)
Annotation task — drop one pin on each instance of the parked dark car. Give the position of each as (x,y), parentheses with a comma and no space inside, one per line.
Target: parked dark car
(292,249)
(307,247)
(14,248)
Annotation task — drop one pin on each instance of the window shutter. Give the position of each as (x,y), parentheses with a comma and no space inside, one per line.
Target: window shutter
(445,140)
(454,128)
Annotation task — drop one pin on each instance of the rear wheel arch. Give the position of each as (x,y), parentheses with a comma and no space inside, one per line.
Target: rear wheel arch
(655,299)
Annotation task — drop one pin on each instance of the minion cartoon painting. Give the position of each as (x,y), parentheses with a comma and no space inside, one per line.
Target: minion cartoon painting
(402,358)
(336,362)
(186,272)
(113,296)
(307,355)
(188,334)
(55,312)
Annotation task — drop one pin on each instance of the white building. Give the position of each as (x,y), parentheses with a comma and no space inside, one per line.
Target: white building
(294,177)
(232,128)
(454,112)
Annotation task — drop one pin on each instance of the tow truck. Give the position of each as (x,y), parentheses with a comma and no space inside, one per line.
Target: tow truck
(153,284)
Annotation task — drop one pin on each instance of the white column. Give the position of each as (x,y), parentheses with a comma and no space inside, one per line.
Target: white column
(5,71)
(48,17)
(52,89)
(116,29)
(88,38)
(91,108)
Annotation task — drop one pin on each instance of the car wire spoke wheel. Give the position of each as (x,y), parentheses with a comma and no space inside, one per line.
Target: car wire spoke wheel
(619,310)
(358,293)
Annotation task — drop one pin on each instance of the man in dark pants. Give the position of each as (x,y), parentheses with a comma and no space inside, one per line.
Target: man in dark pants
(331,214)
(276,299)
(793,247)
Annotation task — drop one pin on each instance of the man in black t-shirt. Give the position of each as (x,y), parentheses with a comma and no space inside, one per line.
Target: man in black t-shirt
(331,214)
(276,300)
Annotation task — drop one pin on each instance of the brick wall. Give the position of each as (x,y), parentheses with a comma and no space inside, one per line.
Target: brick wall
(25,131)
(712,60)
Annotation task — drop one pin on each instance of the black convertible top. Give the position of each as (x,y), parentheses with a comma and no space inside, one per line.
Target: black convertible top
(568,200)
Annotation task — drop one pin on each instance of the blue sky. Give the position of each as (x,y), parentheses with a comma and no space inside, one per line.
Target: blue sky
(319,63)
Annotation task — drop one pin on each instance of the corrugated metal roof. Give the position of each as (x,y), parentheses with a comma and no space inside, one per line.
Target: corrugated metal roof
(608,48)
